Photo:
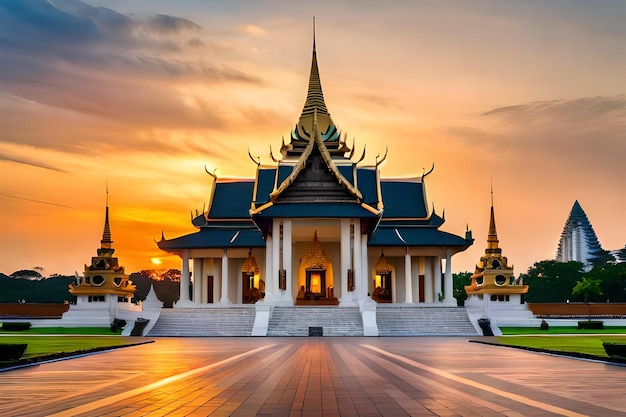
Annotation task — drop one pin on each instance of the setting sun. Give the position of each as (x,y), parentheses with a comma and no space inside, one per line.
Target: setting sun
(156,261)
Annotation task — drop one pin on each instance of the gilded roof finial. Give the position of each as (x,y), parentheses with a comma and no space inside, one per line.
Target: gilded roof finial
(492,238)
(313,34)
(106,234)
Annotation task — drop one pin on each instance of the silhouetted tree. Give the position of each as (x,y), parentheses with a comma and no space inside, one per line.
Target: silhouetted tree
(551,281)
(460,281)
(601,257)
(26,274)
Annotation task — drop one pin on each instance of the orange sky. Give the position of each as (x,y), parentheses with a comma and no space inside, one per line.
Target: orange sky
(145,94)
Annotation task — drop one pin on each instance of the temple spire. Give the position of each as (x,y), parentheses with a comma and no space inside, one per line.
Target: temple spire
(315,104)
(492,239)
(315,96)
(106,234)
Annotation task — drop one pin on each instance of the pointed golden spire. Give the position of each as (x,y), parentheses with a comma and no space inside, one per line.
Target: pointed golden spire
(106,234)
(315,96)
(492,239)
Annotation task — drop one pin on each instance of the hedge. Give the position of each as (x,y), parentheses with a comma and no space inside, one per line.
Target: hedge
(16,326)
(590,324)
(615,349)
(12,352)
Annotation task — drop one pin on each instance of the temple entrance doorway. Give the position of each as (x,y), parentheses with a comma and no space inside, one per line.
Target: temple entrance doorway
(383,291)
(250,282)
(316,283)
(315,277)
(209,289)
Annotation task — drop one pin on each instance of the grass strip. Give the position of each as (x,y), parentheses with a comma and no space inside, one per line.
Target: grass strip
(105,331)
(561,330)
(589,347)
(43,348)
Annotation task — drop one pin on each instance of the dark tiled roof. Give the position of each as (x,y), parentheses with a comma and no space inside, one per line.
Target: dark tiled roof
(245,235)
(307,210)
(403,199)
(366,182)
(265,185)
(415,236)
(283,172)
(231,200)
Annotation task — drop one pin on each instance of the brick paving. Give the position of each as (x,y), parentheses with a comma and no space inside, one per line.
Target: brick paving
(323,376)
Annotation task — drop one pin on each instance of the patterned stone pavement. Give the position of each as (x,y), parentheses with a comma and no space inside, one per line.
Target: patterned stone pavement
(421,376)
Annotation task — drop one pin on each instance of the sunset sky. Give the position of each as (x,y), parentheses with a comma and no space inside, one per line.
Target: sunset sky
(145,94)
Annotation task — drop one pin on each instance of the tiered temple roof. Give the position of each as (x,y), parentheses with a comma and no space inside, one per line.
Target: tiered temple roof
(317,178)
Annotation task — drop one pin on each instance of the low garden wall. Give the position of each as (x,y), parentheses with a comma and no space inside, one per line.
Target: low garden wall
(26,310)
(566,310)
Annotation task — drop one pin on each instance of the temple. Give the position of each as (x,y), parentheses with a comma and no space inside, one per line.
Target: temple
(317,226)
(104,292)
(579,241)
(494,293)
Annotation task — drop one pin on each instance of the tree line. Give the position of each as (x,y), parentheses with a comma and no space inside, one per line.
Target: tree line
(551,281)
(31,287)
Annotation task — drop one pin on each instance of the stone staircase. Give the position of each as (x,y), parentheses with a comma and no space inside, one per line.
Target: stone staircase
(213,321)
(408,320)
(334,321)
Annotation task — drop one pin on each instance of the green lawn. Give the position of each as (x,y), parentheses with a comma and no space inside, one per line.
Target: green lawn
(45,345)
(49,347)
(561,330)
(105,331)
(587,345)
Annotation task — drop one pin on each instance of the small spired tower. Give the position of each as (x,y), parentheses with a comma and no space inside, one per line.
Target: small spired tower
(493,275)
(104,286)
(494,292)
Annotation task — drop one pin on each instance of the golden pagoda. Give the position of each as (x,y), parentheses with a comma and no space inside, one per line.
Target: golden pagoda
(493,275)
(104,276)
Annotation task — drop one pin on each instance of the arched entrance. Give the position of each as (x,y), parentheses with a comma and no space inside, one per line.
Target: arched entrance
(382,281)
(252,286)
(315,277)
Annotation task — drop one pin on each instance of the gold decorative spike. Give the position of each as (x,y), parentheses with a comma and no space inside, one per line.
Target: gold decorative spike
(315,256)
(382,267)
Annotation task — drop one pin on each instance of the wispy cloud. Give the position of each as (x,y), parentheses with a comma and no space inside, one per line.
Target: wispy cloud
(34,200)
(119,69)
(33,163)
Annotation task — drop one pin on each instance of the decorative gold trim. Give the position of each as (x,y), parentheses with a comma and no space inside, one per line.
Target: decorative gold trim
(315,257)
(382,267)
(260,209)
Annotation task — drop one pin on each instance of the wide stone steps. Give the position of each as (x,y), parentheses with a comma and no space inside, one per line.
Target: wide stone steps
(399,320)
(215,321)
(334,321)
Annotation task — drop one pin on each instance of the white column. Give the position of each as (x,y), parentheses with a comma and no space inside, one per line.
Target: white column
(287,252)
(437,279)
(269,268)
(224,299)
(365,272)
(358,262)
(408,278)
(448,297)
(217,280)
(197,280)
(345,258)
(184,300)
(428,279)
(275,256)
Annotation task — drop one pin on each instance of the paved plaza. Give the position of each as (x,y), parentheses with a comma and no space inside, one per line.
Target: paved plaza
(417,376)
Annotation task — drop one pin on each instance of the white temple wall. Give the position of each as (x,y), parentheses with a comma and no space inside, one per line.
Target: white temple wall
(429,267)
(398,289)
(415,278)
